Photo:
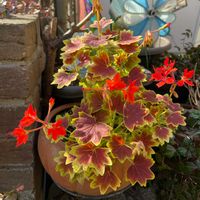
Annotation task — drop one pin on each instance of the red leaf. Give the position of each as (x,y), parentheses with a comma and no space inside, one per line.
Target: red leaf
(120,150)
(102,116)
(163,134)
(136,75)
(133,61)
(140,171)
(21,136)
(62,78)
(101,66)
(108,180)
(94,41)
(116,83)
(103,23)
(168,102)
(95,100)
(89,130)
(149,118)
(88,155)
(29,118)
(117,103)
(127,38)
(175,119)
(56,130)
(83,58)
(72,46)
(82,108)
(150,96)
(147,141)
(134,115)
(62,167)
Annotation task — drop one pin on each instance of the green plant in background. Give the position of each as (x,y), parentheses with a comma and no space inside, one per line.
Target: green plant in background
(178,172)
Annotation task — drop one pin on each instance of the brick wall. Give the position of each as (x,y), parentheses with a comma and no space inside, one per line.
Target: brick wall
(22,61)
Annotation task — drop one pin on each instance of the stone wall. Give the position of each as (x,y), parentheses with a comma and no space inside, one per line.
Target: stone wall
(22,61)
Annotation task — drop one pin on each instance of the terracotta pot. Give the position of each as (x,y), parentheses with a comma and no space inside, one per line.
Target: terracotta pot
(48,151)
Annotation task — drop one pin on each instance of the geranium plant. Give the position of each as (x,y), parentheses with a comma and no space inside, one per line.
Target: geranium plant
(117,121)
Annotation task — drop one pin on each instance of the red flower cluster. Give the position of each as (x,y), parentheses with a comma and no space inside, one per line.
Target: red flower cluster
(187,75)
(118,84)
(28,119)
(165,75)
(55,130)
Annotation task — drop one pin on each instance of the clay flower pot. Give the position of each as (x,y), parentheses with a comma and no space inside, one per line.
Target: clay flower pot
(48,151)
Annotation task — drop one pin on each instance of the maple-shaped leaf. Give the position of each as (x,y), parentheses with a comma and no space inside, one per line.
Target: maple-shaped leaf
(132,61)
(117,103)
(73,45)
(139,171)
(95,100)
(147,141)
(103,23)
(94,41)
(134,115)
(136,75)
(149,118)
(126,38)
(90,130)
(119,149)
(83,58)
(102,115)
(108,180)
(61,165)
(176,119)
(89,155)
(101,66)
(163,134)
(150,96)
(62,78)
(68,58)
(168,102)
(82,108)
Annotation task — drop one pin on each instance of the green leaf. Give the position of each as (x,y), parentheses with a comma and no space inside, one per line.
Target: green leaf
(186,167)
(170,151)
(182,151)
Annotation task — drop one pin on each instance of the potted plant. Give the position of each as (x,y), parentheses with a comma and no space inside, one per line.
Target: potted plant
(104,143)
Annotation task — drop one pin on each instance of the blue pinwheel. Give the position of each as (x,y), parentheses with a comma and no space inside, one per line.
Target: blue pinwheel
(143,15)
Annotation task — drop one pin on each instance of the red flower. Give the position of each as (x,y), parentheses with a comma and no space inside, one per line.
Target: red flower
(51,102)
(20,135)
(187,75)
(164,74)
(29,117)
(130,91)
(116,83)
(56,130)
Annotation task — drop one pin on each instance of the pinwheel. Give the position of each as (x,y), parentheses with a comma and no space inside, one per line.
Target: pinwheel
(143,15)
